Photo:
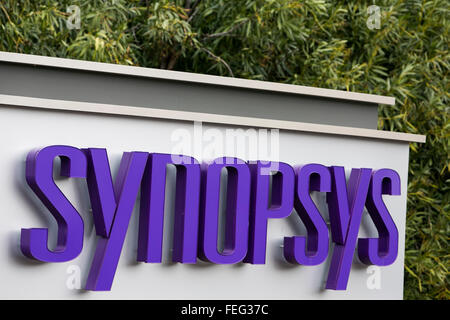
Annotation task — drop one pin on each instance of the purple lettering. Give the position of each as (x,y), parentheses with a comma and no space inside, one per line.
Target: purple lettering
(261,210)
(39,176)
(355,195)
(101,190)
(151,221)
(313,177)
(382,251)
(108,249)
(237,211)
(253,196)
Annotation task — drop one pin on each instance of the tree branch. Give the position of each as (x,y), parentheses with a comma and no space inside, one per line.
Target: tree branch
(173,60)
(192,10)
(219,59)
(225,33)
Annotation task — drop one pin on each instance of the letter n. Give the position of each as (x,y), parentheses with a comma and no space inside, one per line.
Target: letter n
(151,221)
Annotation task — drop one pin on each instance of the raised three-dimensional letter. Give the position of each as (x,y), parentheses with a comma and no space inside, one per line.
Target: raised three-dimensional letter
(39,176)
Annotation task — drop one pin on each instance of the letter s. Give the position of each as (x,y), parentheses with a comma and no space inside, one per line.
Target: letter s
(310,177)
(39,176)
(382,251)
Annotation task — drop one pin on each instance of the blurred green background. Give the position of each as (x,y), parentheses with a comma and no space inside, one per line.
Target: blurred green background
(327,44)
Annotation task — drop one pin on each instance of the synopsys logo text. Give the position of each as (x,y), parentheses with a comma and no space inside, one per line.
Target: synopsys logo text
(253,197)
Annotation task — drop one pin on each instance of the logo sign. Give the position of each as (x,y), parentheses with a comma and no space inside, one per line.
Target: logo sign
(253,197)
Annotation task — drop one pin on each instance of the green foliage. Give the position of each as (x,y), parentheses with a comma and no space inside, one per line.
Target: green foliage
(314,42)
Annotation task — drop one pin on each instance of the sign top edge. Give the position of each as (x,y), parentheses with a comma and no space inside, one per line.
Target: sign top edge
(76,106)
(91,66)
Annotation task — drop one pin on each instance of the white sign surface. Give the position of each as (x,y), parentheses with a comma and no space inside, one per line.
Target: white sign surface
(21,278)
